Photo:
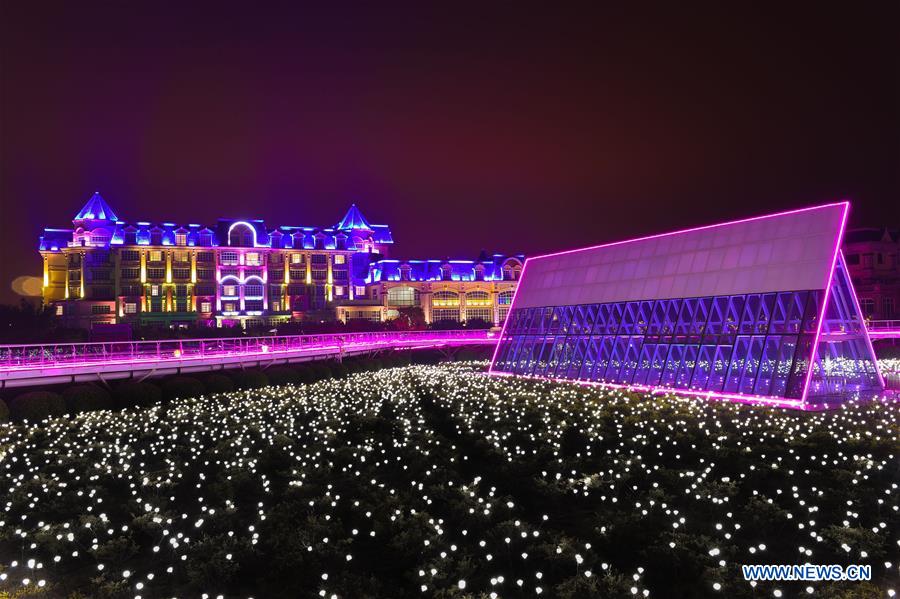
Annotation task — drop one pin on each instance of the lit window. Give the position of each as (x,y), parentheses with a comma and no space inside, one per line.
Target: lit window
(338,290)
(154,290)
(156,255)
(180,239)
(253,259)
(276,306)
(229,258)
(360,291)
(339,259)
(296,258)
(228,307)
(59,310)
(206,306)
(130,308)
(229,290)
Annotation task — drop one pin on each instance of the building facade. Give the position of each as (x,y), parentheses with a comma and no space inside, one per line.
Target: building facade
(243,272)
(758,310)
(873,259)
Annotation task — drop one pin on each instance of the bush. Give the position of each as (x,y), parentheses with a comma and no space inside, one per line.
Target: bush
(338,370)
(37,405)
(305,374)
(218,383)
(282,375)
(321,372)
(134,393)
(4,411)
(86,398)
(250,379)
(182,386)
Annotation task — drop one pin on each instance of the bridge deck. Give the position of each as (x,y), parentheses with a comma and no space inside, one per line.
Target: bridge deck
(29,365)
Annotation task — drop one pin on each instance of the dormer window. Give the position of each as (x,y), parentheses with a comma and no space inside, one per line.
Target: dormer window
(446,272)
(156,237)
(241,235)
(405,272)
(180,238)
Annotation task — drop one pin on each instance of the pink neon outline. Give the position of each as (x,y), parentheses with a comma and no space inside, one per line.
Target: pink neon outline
(508,312)
(861,319)
(802,403)
(780,402)
(884,333)
(828,282)
(704,227)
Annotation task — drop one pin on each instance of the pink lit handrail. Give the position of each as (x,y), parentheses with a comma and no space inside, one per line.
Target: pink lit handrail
(49,354)
(883,325)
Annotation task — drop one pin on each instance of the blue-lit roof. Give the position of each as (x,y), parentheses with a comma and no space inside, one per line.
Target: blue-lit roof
(96,209)
(353,220)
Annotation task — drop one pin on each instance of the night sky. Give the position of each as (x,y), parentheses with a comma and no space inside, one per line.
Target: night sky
(462,128)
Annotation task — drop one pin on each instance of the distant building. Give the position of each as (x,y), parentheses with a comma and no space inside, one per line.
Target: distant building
(873,259)
(243,272)
(736,310)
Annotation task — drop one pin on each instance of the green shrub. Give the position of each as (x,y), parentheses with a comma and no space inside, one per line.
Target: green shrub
(86,398)
(338,370)
(182,386)
(250,379)
(321,372)
(218,383)
(305,374)
(282,375)
(4,411)
(353,365)
(37,405)
(134,393)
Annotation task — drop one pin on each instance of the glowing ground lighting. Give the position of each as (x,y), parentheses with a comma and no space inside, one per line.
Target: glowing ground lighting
(438,480)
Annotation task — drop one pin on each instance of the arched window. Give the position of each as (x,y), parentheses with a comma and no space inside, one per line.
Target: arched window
(504,299)
(403,296)
(478,298)
(445,306)
(511,270)
(445,298)
(241,235)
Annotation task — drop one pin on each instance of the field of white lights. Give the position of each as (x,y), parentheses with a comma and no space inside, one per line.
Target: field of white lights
(440,481)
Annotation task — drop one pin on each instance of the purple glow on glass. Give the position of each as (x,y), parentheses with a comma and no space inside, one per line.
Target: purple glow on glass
(860,314)
(828,282)
(801,402)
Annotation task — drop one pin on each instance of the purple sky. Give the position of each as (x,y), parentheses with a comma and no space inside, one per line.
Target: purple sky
(462,127)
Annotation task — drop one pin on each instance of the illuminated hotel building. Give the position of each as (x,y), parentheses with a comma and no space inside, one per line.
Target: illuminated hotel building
(243,272)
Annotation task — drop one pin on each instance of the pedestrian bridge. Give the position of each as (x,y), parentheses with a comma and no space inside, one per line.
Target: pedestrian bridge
(46,364)
(884,329)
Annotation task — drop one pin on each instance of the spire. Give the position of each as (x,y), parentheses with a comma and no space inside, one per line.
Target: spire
(353,220)
(96,209)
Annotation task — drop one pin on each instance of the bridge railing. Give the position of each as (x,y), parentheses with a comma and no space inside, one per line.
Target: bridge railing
(59,354)
(883,325)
